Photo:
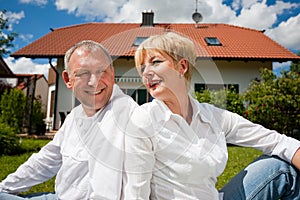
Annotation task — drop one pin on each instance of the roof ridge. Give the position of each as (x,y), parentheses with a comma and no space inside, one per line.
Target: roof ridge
(91,23)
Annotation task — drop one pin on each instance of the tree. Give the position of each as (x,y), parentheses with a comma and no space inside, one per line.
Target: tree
(12,109)
(295,66)
(274,101)
(226,99)
(6,36)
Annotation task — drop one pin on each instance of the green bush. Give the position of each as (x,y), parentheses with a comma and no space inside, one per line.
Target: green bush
(9,143)
(37,120)
(226,99)
(12,109)
(274,102)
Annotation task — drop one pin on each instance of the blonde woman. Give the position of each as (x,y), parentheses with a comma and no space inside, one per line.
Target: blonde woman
(176,147)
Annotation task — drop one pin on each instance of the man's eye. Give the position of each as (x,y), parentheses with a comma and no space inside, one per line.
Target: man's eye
(82,74)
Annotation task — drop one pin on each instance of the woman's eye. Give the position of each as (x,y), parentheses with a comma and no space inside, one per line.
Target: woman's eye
(156,62)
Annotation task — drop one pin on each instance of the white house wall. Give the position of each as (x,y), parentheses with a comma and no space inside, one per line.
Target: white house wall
(227,72)
(125,70)
(41,89)
(65,98)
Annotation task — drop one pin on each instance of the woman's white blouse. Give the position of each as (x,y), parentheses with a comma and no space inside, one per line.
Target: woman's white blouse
(167,158)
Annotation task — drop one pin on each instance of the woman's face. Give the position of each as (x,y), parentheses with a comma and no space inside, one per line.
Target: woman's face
(160,76)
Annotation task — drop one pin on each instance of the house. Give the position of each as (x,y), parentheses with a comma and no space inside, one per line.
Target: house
(39,87)
(5,72)
(227,55)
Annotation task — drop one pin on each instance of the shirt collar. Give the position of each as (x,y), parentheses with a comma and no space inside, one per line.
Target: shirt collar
(199,109)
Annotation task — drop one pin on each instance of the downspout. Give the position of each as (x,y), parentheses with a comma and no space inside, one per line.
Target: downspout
(56,93)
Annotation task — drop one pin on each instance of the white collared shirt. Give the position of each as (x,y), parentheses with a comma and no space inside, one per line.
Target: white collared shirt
(86,155)
(167,158)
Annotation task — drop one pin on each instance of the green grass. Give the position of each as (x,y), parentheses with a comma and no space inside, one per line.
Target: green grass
(239,157)
(9,164)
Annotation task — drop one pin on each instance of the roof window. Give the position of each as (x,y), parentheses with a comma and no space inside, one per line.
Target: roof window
(138,41)
(212,41)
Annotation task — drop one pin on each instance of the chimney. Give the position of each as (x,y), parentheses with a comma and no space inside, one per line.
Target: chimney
(148,18)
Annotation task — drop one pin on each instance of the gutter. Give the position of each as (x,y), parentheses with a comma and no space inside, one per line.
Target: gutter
(56,93)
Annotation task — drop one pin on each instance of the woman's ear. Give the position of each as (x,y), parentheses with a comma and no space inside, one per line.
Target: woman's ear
(183,66)
(65,76)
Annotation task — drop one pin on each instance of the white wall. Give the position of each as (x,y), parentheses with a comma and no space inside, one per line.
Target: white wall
(227,72)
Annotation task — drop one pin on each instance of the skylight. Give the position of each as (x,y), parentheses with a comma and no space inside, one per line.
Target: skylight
(138,41)
(212,41)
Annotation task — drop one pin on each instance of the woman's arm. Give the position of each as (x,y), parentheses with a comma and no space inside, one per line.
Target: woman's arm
(296,159)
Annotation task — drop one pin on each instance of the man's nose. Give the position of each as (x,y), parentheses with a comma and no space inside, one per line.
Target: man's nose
(94,79)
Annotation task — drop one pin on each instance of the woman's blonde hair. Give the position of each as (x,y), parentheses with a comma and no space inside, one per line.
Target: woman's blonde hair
(171,44)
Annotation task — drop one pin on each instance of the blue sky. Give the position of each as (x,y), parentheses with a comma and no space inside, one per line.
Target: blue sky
(32,19)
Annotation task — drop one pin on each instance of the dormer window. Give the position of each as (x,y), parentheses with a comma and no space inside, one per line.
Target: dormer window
(212,41)
(138,41)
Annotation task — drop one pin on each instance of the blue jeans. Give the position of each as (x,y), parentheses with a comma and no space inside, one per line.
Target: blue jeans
(267,178)
(35,196)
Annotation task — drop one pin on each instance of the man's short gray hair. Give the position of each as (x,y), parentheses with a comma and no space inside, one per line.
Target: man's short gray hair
(88,44)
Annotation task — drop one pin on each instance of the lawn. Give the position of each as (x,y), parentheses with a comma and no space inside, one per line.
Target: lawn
(239,157)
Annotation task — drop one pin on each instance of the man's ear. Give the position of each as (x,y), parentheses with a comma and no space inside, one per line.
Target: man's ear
(183,66)
(66,79)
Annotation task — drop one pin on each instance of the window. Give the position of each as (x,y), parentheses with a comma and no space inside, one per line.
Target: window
(138,41)
(212,41)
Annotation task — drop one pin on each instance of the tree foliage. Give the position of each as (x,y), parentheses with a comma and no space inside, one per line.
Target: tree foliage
(6,35)
(12,109)
(274,101)
(295,66)
(12,106)
(225,99)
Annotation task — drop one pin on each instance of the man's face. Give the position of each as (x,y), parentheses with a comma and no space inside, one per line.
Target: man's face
(91,78)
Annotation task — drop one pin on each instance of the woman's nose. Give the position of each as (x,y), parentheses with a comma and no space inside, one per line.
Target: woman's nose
(146,70)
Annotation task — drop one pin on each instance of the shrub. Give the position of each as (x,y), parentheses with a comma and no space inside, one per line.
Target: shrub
(37,120)
(9,143)
(225,99)
(274,101)
(12,109)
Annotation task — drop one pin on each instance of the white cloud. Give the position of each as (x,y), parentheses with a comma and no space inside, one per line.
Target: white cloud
(282,65)
(259,15)
(35,2)
(279,67)
(287,33)
(26,66)
(90,9)
(13,18)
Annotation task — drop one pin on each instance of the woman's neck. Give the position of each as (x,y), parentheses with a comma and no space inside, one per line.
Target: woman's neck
(181,106)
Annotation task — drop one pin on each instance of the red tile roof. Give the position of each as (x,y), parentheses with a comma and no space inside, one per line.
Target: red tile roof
(21,85)
(237,42)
